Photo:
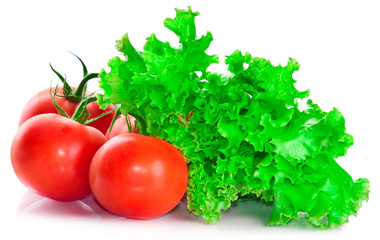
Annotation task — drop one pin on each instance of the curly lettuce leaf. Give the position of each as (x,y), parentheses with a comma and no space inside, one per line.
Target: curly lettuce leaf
(243,134)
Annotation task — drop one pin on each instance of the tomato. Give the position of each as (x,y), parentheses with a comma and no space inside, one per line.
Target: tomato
(120,126)
(51,155)
(138,176)
(42,103)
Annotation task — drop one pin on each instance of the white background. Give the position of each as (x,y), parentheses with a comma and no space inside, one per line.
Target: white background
(337,44)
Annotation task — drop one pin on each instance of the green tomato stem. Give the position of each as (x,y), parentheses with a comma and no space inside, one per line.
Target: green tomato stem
(80,92)
(81,111)
(141,120)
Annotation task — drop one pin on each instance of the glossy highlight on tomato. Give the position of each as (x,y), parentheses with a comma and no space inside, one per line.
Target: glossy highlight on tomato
(138,176)
(51,155)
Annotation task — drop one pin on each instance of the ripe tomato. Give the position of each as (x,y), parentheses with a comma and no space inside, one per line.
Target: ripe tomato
(120,126)
(51,155)
(137,176)
(42,103)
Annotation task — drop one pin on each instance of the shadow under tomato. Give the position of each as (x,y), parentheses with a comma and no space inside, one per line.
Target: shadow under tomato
(34,204)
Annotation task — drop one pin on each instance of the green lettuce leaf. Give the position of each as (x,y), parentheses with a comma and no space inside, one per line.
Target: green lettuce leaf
(243,134)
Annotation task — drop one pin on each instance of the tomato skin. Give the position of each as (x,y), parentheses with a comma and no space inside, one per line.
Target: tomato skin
(120,126)
(42,103)
(51,155)
(137,176)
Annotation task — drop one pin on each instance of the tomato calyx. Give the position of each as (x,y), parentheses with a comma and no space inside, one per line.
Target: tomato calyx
(79,96)
(118,112)
(79,93)
(140,120)
(81,113)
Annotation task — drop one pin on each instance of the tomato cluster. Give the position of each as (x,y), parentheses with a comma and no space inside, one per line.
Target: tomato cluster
(130,175)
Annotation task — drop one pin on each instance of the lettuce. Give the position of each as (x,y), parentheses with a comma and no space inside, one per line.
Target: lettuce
(244,134)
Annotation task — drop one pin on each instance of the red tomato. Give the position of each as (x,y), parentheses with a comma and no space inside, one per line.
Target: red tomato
(137,176)
(51,155)
(120,126)
(42,103)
